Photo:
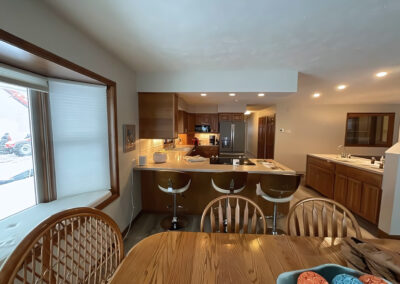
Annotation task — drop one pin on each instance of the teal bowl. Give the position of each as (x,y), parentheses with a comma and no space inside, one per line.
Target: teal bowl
(328,271)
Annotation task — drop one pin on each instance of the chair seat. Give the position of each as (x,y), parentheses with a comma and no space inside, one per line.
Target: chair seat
(175,191)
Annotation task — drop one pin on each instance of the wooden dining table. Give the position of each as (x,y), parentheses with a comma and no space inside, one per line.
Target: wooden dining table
(188,257)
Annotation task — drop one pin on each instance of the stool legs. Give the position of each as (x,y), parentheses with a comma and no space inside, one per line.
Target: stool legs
(174,223)
(274,230)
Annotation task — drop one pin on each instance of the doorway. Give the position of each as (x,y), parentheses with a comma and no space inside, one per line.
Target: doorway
(266,137)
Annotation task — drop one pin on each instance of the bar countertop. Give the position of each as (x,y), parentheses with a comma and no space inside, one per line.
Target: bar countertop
(176,161)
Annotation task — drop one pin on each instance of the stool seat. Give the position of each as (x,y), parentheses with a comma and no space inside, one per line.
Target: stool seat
(229,182)
(171,190)
(270,198)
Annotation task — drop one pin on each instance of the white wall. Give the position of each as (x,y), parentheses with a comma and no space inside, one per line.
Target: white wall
(252,129)
(319,128)
(219,81)
(34,22)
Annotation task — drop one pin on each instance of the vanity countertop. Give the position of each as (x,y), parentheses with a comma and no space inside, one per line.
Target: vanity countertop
(355,162)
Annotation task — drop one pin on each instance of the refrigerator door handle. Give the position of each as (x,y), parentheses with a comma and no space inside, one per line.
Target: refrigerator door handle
(233,135)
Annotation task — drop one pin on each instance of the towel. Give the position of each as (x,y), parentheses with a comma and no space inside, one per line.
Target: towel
(369,259)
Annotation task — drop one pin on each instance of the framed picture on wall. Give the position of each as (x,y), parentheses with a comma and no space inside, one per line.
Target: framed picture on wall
(129,137)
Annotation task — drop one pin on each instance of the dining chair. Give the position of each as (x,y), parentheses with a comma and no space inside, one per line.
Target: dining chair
(321,217)
(240,218)
(79,245)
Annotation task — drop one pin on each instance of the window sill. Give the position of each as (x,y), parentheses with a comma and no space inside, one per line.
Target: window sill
(14,228)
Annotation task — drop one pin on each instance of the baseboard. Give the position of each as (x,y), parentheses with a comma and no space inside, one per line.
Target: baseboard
(131,224)
(384,235)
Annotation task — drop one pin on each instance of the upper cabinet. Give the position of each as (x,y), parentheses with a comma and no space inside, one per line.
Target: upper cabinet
(207,119)
(182,122)
(158,115)
(231,116)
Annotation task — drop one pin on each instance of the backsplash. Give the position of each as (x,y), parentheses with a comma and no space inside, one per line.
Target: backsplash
(204,138)
(149,146)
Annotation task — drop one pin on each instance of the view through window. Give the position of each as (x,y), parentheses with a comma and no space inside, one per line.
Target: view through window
(17,186)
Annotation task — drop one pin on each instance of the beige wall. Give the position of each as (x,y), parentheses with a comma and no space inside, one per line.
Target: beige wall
(34,22)
(252,129)
(319,128)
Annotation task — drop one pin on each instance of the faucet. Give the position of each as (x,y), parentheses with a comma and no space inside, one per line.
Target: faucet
(343,153)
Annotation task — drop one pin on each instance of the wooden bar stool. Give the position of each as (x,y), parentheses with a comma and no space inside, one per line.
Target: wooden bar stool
(173,182)
(277,188)
(228,183)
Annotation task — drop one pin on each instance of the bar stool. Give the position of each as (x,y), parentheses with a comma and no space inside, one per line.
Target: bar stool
(278,188)
(228,183)
(173,182)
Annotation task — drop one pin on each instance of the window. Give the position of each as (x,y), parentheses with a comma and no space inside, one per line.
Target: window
(369,129)
(17,181)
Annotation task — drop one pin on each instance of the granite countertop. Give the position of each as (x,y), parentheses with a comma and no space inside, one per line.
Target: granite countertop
(355,162)
(176,161)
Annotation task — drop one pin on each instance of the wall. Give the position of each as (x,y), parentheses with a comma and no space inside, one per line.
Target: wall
(219,81)
(36,23)
(318,128)
(252,129)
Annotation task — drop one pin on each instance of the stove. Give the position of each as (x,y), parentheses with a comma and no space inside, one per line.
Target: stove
(228,160)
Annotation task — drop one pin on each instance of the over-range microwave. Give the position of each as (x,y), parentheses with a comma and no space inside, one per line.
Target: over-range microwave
(202,128)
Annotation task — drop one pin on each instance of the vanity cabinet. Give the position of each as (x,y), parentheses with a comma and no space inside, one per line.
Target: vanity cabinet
(158,115)
(320,176)
(357,189)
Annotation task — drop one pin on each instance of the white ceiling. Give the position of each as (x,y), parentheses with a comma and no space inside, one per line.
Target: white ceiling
(328,42)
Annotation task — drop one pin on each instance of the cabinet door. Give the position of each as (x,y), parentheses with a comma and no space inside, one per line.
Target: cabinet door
(354,190)
(325,182)
(214,122)
(191,122)
(341,189)
(180,122)
(237,116)
(370,202)
(225,117)
(312,176)
(185,122)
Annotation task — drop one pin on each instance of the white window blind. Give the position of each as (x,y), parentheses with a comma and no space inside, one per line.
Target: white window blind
(23,78)
(80,137)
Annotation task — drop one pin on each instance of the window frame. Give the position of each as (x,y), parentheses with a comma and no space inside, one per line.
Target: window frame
(389,142)
(55,60)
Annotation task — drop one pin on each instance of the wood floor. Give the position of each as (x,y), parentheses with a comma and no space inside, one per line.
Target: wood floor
(148,223)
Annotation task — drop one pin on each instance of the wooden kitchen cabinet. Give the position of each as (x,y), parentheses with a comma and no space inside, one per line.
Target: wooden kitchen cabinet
(359,190)
(205,151)
(202,119)
(158,115)
(182,122)
(191,121)
(231,116)
(214,123)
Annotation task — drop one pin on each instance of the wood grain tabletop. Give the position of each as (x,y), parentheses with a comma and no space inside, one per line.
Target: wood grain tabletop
(187,257)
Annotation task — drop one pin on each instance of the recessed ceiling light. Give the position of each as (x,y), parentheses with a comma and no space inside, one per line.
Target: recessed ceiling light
(203,95)
(232,94)
(381,74)
(247,112)
(261,94)
(316,95)
(341,87)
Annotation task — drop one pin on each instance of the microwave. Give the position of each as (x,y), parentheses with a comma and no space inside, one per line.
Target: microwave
(202,128)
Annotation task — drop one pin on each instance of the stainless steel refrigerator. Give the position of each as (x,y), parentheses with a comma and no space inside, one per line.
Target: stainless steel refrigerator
(232,137)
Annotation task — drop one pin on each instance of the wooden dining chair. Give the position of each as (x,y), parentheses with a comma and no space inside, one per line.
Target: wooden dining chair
(80,245)
(320,217)
(244,219)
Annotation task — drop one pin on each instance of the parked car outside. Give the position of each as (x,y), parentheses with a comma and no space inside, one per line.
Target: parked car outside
(20,148)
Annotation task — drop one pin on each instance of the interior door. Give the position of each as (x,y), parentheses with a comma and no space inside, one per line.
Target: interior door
(270,137)
(262,139)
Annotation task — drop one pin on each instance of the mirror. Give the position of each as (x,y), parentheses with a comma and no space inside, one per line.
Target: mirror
(369,129)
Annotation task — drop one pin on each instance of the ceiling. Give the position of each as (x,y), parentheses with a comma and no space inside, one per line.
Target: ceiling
(328,42)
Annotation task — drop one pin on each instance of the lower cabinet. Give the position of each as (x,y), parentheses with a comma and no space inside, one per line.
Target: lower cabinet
(205,151)
(356,189)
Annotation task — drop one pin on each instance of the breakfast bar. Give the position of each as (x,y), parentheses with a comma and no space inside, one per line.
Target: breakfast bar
(201,192)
